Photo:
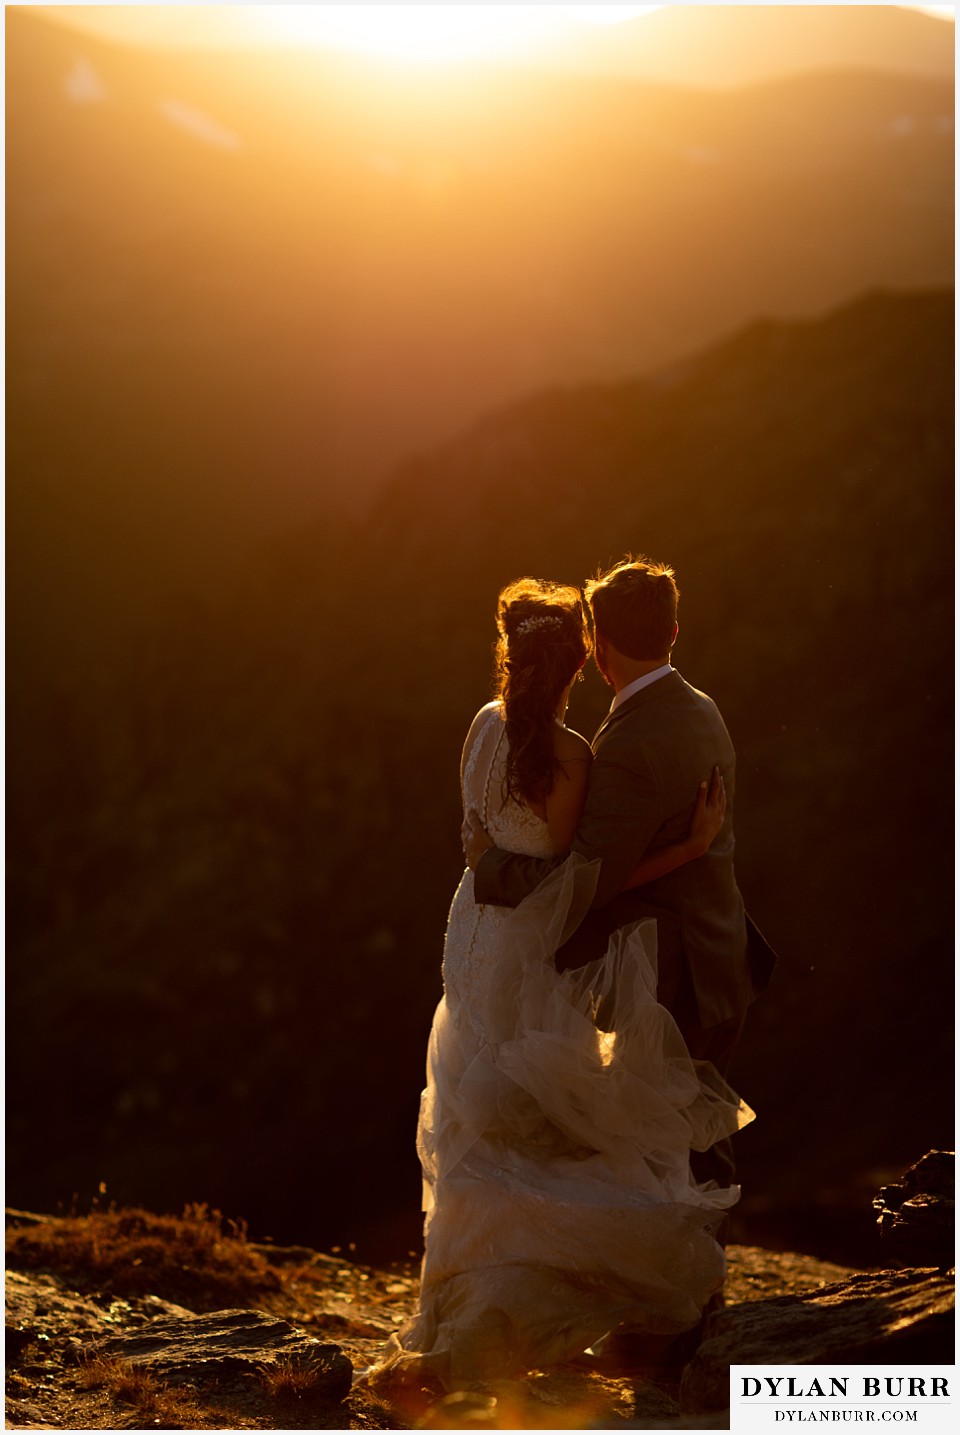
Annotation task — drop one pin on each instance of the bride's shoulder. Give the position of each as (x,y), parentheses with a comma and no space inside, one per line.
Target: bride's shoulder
(570,746)
(475,728)
(483,716)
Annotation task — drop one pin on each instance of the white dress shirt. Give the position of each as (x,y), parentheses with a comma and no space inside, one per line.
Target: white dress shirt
(639,683)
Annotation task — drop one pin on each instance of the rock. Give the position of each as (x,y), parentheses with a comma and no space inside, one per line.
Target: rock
(882,1316)
(17,1338)
(39,1303)
(916,1214)
(198,1349)
(21,1415)
(41,1311)
(754,1273)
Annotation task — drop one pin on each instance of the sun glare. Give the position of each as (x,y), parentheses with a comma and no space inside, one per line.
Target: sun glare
(431,34)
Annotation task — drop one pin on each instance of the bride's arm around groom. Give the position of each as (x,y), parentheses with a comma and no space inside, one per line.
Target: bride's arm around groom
(660,739)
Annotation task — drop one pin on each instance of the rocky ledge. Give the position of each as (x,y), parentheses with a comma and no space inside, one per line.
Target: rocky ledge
(91,1346)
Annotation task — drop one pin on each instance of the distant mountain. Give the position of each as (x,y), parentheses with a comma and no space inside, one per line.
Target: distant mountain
(232,848)
(241,285)
(724,46)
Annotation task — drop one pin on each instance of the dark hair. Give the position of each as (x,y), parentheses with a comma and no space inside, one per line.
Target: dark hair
(543,640)
(634,607)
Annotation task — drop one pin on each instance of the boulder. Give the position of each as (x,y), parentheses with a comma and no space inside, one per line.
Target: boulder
(916,1214)
(884,1317)
(200,1349)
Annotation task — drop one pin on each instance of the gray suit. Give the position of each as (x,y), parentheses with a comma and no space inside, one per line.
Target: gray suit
(649,757)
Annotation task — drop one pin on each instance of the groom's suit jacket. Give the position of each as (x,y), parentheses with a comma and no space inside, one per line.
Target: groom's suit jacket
(650,755)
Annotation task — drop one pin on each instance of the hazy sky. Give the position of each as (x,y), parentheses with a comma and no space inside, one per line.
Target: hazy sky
(417,33)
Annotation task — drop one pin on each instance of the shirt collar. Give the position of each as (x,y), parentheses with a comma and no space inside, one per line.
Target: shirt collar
(625,693)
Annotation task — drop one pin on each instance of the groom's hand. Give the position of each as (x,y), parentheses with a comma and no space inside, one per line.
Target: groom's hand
(475,838)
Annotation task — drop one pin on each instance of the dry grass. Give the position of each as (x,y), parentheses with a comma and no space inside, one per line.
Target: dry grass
(150,1398)
(291,1380)
(96,1373)
(129,1383)
(132,1385)
(198,1259)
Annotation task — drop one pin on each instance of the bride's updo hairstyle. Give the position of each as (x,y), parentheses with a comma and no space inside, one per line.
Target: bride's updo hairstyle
(544,640)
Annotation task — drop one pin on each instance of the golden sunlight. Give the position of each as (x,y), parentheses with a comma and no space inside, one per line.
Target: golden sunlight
(417,34)
(431,34)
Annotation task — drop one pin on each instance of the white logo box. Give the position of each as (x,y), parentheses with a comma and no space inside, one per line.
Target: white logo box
(767,1398)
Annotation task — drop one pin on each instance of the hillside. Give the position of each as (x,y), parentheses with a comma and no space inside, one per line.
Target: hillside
(232,847)
(242,287)
(720,46)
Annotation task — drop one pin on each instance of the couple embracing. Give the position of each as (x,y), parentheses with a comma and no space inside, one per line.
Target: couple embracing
(575,1128)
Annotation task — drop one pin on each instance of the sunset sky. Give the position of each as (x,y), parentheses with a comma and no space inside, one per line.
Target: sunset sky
(418,34)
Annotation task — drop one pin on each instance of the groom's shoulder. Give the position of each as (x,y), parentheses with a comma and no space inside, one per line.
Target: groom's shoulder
(692,694)
(671,703)
(703,714)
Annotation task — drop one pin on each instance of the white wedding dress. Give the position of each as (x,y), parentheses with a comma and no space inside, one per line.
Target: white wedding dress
(555,1131)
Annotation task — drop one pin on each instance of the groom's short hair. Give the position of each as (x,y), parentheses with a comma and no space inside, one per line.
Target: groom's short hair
(634,606)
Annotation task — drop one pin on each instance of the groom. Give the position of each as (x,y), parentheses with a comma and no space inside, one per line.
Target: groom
(657,743)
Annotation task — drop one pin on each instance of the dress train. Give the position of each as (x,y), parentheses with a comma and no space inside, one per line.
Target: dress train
(555,1131)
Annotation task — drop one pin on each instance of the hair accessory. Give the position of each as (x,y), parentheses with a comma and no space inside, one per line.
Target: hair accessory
(548,620)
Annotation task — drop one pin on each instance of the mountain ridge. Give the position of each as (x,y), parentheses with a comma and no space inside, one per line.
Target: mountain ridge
(736,47)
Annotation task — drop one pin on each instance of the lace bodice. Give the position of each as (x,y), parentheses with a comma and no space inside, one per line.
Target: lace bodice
(512,825)
(471,929)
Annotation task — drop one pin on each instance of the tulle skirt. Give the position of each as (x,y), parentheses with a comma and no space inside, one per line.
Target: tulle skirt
(555,1134)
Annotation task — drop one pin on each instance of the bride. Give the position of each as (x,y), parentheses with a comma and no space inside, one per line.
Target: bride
(560,1109)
